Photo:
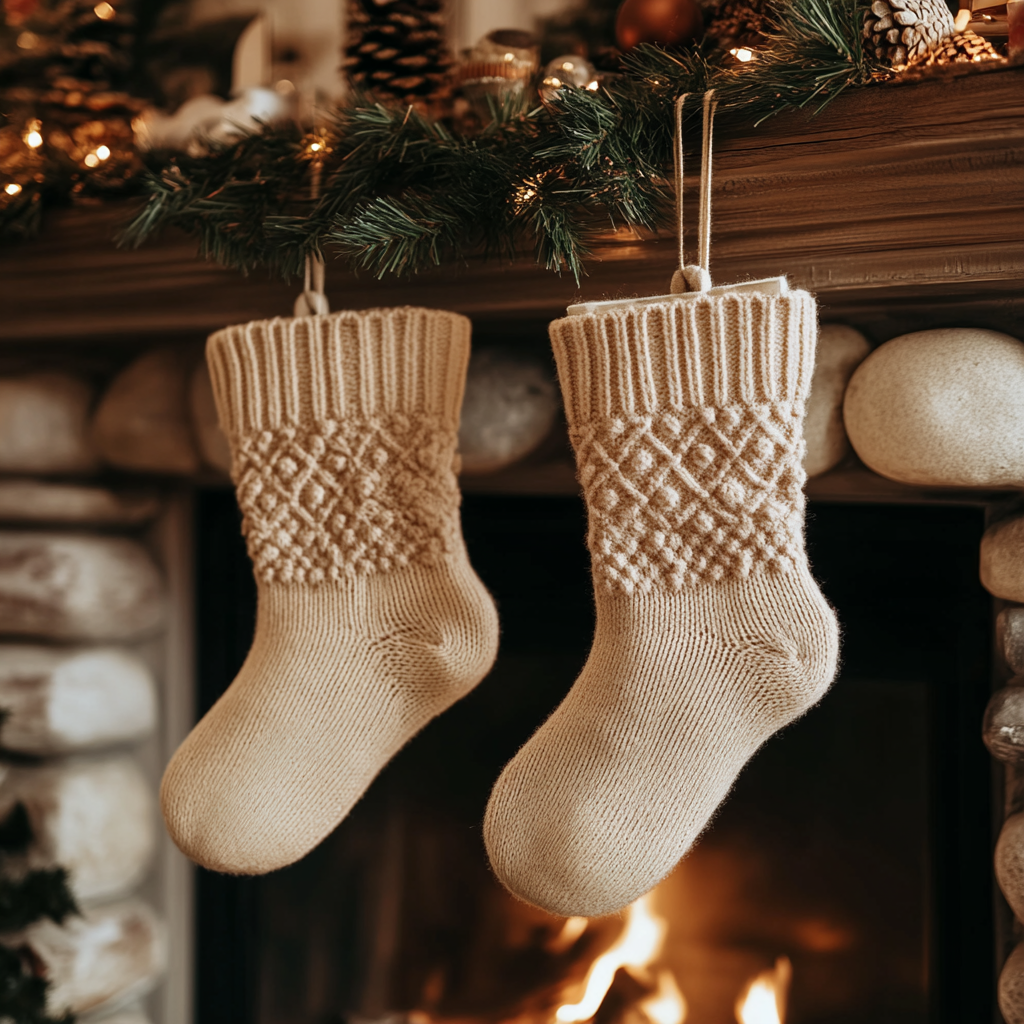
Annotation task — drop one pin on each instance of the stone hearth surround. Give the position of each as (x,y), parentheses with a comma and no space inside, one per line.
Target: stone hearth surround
(93,610)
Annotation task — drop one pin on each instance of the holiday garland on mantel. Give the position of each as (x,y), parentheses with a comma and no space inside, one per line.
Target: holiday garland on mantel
(398,191)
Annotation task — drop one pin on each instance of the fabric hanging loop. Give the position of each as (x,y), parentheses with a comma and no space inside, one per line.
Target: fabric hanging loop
(313,301)
(694,277)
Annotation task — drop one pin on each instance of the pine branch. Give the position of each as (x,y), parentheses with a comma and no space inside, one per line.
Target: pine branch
(400,192)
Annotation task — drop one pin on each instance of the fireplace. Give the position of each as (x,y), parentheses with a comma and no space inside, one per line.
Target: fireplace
(846,879)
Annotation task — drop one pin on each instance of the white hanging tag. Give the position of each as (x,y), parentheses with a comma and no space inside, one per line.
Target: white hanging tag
(767,285)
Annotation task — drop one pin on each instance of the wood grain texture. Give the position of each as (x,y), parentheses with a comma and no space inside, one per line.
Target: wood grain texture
(913,192)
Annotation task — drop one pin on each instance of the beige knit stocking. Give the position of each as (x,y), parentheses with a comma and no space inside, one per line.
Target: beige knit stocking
(370,619)
(711,632)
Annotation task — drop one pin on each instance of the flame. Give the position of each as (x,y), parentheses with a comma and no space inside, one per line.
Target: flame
(667,1005)
(764,999)
(640,942)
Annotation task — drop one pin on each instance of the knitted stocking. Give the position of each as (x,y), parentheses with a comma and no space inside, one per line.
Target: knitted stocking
(370,619)
(711,633)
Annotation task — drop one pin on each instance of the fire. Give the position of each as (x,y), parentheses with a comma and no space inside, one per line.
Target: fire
(764,999)
(667,1005)
(639,944)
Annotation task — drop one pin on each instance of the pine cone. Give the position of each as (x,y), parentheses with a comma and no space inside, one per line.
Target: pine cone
(737,23)
(965,47)
(396,49)
(901,31)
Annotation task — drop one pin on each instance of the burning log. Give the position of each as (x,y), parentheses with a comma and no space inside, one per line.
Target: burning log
(44,425)
(94,817)
(105,957)
(764,999)
(42,501)
(77,587)
(59,701)
(620,980)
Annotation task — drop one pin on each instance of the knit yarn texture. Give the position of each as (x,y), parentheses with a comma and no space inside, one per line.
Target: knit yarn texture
(370,619)
(686,418)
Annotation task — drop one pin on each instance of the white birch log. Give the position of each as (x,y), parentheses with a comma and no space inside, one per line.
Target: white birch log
(96,817)
(213,442)
(44,424)
(143,421)
(841,350)
(77,587)
(133,1015)
(108,956)
(42,501)
(60,701)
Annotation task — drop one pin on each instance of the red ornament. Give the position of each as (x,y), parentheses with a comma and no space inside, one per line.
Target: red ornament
(18,11)
(664,22)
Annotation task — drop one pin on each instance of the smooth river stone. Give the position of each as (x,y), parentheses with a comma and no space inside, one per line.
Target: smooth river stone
(96,817)
(213,442)
(143,421)
(509,407)
(840,351)
(42,501)
(942,407)
(1011,987)
(1009,863)
(61,701)
(1003,725)
(77,587)
(107,956)
(1002,559)
(1010,637)
(44,424)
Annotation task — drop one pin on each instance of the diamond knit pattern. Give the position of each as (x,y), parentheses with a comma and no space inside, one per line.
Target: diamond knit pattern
(347,499)
(694,496)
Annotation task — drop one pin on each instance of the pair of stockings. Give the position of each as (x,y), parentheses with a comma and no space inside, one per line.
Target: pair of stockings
(686,418)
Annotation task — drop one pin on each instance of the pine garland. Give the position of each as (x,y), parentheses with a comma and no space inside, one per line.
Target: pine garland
(400,192)
(26,897)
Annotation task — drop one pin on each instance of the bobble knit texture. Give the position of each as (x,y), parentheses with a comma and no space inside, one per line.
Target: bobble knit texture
(370,619)
(686,418)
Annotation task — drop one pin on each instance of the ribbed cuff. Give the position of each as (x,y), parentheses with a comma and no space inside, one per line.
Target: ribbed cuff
(299,371)
(736,348)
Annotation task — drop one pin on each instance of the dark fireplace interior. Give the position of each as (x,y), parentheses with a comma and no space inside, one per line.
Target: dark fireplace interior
(856,844)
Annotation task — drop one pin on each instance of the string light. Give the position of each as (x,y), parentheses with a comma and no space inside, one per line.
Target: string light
(28,41)
(13,189)
(33,134)
(742,54)
(103,152)
(104,11)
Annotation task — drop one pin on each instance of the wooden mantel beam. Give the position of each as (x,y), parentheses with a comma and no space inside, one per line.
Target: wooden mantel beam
(898,192)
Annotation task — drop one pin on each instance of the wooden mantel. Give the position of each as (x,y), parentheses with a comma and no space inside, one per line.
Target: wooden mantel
(895,194)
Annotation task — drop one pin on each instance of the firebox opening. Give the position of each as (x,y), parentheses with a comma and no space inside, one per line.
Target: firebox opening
(845,879)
